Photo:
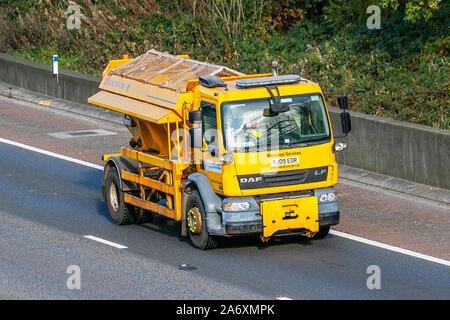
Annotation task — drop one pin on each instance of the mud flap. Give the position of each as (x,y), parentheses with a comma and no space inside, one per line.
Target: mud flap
(290,214)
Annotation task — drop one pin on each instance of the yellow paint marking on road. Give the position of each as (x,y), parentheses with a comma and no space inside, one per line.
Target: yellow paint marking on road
(45,103)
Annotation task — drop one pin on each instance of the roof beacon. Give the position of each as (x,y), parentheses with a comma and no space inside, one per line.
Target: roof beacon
(268,81)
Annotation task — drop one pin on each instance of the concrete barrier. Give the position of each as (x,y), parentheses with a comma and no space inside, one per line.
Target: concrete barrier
(37,77)
(395,148)
(413,152)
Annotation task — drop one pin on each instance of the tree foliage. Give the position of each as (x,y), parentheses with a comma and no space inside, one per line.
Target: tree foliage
(414,9)
(400,71)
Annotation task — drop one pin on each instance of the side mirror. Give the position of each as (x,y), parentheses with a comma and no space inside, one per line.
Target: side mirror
(196,137)
(195,116)
(346,122)
(278,107)
(342,102)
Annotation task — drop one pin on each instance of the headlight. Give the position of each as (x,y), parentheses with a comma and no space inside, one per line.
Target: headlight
(327,197)
(237,206)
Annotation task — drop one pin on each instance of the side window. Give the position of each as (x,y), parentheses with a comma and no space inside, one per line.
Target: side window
(209,121)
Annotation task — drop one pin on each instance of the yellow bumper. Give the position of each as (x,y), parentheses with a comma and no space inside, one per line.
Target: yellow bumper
(290,214)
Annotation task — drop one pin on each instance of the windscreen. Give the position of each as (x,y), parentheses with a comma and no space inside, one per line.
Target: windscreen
(250,124)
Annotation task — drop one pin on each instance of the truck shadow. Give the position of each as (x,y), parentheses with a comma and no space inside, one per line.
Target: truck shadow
(167,227)
(171,228)
(255,241)
(102,210)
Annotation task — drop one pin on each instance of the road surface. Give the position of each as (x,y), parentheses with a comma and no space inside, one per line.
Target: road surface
(49,205)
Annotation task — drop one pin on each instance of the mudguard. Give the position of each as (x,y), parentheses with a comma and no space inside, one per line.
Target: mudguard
(118,163)
(211,200)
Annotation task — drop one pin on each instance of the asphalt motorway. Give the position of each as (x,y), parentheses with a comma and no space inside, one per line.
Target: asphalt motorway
(48,205)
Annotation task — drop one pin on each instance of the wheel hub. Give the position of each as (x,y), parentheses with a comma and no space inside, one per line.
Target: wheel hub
(113,197)
(194,220)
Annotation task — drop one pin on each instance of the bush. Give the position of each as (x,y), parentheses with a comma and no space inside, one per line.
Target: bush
(400,71)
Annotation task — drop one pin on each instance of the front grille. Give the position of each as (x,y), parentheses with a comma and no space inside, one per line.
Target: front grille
(284,178)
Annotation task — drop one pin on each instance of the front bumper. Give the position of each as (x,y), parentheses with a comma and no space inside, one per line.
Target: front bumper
(251,222)
(251,227)
(328,219)
(245,227)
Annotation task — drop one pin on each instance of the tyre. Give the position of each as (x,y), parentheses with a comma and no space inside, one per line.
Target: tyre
(143,216)
(196,223)
(323,232)
(121,213)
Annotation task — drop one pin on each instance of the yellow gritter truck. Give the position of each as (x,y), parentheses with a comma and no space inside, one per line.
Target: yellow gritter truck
(222,152)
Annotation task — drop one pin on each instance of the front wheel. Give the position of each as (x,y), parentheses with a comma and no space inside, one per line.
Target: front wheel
(196,223)
(323,232)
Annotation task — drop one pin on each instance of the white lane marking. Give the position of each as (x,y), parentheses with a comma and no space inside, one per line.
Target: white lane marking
(51,154)
(283,298)
(109,243)
(334,232)
(391,248)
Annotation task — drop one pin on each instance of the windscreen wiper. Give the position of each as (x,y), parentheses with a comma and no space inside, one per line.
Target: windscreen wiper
(306,143)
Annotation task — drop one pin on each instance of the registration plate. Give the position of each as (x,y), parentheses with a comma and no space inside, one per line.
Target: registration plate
(283,161)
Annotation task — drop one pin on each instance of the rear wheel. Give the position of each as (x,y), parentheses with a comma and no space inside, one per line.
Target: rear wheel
(196,223)
(121,213)
(143,216)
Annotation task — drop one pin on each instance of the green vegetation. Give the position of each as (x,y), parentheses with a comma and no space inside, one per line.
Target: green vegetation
(400,71)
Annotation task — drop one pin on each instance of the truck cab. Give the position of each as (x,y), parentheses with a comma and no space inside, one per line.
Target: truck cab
(267,150)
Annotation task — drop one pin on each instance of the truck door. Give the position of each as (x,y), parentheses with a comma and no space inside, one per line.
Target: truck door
(212,164)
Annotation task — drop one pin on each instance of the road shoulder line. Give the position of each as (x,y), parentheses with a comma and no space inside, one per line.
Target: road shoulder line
(390,247)
(51,154)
